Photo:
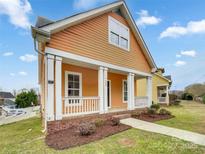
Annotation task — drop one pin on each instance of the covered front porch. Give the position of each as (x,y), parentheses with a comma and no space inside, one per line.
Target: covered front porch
(80,86)
(163,94)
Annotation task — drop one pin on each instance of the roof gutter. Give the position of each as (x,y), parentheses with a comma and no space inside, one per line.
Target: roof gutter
(39,36)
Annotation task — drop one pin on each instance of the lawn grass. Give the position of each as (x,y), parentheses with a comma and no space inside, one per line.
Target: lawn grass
(190,116)
(26,137)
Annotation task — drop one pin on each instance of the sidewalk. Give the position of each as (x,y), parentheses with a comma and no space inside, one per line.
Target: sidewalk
(178,133)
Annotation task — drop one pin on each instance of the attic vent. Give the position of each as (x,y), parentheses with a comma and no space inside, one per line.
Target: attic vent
(117,11)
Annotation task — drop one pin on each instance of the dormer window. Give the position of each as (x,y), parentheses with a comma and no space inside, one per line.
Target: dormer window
(118,34)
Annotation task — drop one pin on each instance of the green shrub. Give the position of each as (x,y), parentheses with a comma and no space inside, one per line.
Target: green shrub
(26,99)
(151,111)
(99,122)
(187,96)
(164,112)
(155,106)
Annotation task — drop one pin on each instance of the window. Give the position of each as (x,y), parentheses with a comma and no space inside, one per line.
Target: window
(124,42)
(73,84)
(114,38)
(118,34)
(125,91)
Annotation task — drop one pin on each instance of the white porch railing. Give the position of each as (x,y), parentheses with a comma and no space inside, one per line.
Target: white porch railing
(74,106)
(141,102)
(162,99)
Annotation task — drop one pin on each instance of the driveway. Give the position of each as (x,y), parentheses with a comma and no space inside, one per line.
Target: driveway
(178,133)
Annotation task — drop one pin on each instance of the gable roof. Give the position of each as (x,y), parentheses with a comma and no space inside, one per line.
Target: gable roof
(49,27)
(6,95)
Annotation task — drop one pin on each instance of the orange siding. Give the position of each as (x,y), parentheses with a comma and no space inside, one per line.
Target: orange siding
(90,39)
(89,79)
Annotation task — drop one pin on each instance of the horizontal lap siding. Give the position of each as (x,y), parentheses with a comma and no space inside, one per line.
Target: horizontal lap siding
(89,79)
(90,39)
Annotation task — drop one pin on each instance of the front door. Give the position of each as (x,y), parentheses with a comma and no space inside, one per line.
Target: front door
(109,93)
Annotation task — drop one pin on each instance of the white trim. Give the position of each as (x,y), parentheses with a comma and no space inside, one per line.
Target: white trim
(109,30)
(149,90)
(46,92)
(110,92)
(123,91)
(105,89)
(50,88)
(66,82)
(92,61)
(58,85)
(100,88)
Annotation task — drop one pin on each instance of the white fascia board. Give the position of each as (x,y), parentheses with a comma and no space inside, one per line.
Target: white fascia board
(79,18)
(79,58)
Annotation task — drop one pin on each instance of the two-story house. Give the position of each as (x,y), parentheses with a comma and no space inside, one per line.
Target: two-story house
(91,62)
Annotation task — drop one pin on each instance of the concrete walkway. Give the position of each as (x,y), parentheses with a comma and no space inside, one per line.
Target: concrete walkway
(178,133)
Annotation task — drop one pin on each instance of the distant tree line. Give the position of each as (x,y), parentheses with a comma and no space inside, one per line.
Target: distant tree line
(192,92)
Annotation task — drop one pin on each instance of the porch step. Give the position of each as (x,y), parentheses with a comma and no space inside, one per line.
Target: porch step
(122,116)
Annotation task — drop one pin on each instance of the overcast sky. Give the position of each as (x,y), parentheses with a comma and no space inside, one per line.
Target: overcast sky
(173,30)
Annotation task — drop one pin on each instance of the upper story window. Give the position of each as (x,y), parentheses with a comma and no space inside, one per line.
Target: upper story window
(118,34)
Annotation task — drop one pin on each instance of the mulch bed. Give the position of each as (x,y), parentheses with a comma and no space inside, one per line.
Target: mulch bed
(71,137)
(153,117)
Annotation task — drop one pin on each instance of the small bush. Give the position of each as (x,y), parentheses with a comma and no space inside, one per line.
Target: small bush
(115,121)
(155,106)
(135,114)
(164,112)
(151,111)
(99,122)
(187,96)
(203,99)
(87,128)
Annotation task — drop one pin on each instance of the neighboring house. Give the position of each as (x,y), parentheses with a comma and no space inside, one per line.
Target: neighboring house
(160,87)
(7,99)
(91,63)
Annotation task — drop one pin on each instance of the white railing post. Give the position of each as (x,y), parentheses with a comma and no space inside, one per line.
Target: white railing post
(58,84)
(81,105)
(101,88)
(50,88)
(149,90)
(105,91)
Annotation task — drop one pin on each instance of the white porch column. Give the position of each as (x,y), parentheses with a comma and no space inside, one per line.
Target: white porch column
(50,88)
(149,90)
(105,91)
(101,88)
(58,84)
(130,88)
(167,94)
(132,91)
